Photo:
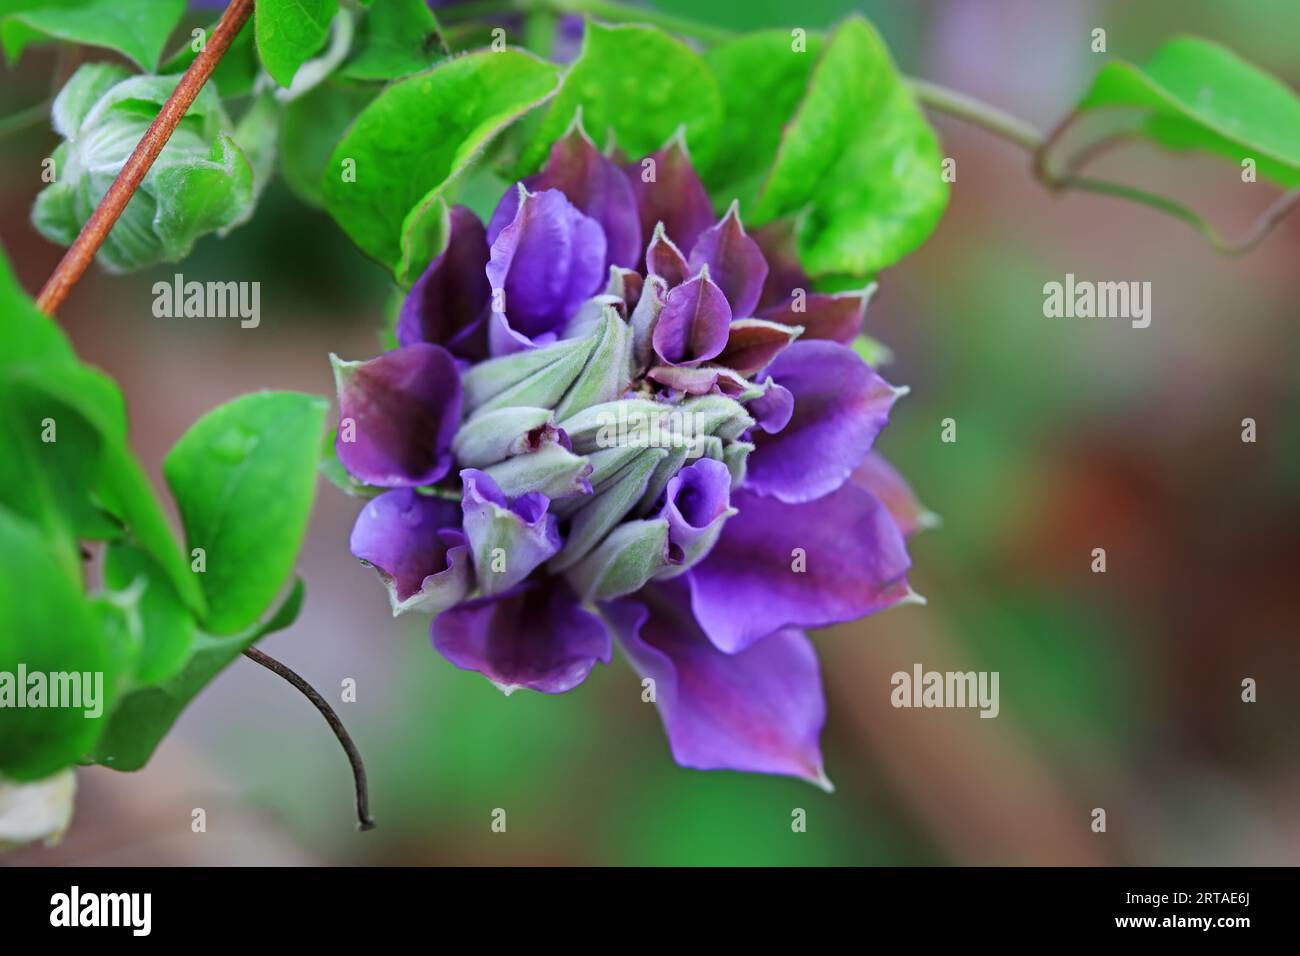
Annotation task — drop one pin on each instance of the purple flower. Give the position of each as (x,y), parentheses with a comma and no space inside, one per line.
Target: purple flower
(617,417)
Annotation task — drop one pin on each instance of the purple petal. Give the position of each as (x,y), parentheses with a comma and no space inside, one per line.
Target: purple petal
(398,414)
(840,405)
(447,305)
(777,240)
(806,565)
(836,317)
(760,710)
(522,529)
(669,191)
(773,409)
(698,499)
(665,260)
(699,380)
(415,544)
(546,262)
(880,478)
(752,344)
(693,324)
(595,185)
(536,636)
(734,260)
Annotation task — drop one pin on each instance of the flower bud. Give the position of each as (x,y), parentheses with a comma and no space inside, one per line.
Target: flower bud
(201,182)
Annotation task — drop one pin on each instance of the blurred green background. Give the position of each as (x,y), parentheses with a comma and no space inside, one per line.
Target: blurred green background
(1120,691)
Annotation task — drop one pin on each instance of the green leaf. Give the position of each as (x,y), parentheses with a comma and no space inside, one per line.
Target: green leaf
(38,362)
(1195,94)
(160,628)
(313,125)
(639,83)
(243,477)
(235,73)
(396,38)
(46,626)
(291,32)
(762,78)
(407,146)
(48,467)
(142,718)
(137,29)
(858,159)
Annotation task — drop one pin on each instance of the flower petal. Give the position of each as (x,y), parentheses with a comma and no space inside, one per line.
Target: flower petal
(734,260)
(664,259)
(806,565)
(752,344)
(840,405)
(785,274)
(668,190)
(536,636)
(414,542)
(398,415)
(542,267)
(697,503)
(837,316)
(692,325)
(880,478)
(773,409)
(595,185)
(760,710)
(507,538)
(448,304)
(699,380)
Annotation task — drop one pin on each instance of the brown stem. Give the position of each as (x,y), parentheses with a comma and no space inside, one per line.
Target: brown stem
(336,725)
(78,257)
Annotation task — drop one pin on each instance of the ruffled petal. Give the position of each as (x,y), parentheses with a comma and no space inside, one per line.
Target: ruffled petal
(697,503)
(398,415)
(840,405)
(806,565)
(541,267)
(735,261)
(507,538)
(595,184)
(760,710)
(692,325)
(535,636)
(415,544)
(448,304)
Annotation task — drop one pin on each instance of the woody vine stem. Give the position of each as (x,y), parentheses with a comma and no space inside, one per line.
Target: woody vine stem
(541,13)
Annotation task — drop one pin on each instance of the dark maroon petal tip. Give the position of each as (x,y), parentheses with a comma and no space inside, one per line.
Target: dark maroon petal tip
(734,260)
(668,190)
(448,303)
(398,414)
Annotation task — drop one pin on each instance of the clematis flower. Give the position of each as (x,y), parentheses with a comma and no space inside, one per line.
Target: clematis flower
(612,419)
